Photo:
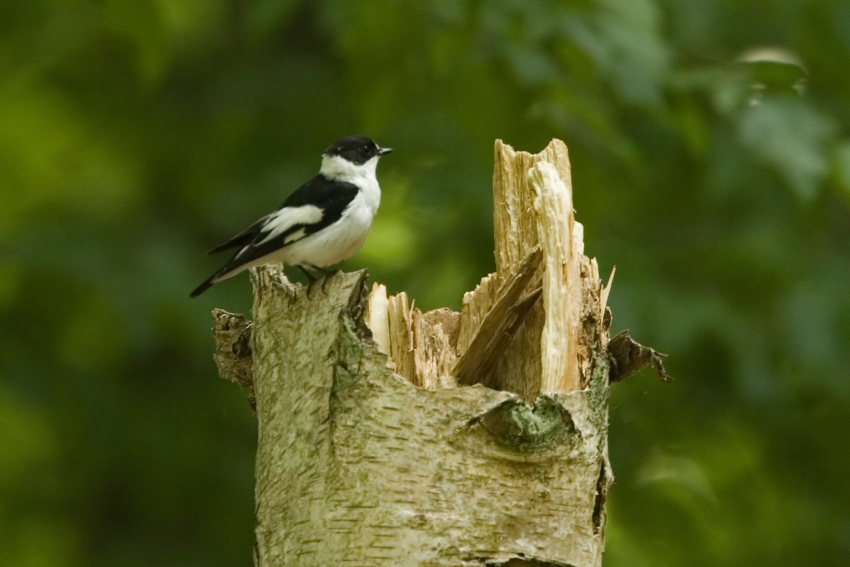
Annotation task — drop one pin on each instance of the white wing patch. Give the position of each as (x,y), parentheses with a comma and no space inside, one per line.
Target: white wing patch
(297,235)
(288,217)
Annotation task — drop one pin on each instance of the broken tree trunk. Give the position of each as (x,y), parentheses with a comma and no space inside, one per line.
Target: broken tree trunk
(392,437)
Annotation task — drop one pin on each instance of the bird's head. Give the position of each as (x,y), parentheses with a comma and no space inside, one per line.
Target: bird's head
(352,155)
(356,149)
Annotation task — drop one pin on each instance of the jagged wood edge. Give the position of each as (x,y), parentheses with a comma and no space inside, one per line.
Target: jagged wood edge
(627,357)
(478,362)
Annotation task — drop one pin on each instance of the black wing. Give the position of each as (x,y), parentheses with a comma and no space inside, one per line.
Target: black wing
(331,197)
(243,238)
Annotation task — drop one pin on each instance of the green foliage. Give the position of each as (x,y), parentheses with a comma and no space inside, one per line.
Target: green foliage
(134,134)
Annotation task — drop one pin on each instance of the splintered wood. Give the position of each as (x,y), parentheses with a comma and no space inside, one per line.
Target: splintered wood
(420,346)
(532,326)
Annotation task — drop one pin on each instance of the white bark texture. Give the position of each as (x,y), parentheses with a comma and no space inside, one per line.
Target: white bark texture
(391,437)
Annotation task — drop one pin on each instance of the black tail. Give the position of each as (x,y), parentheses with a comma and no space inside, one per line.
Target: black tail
(242,239)
(229,269)
(204,286)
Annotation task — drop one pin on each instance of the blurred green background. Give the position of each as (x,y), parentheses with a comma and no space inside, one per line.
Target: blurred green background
(136,134)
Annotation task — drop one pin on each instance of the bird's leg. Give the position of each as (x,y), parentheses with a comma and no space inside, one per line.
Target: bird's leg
(327,274)
(304,271)
(311,279)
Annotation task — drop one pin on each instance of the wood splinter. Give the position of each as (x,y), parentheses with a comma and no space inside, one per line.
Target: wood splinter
(500,324)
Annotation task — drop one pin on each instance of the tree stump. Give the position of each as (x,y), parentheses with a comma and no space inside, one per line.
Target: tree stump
(392,437)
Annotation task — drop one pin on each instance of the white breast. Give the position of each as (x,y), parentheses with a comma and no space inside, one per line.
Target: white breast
(340,169)
(342,239)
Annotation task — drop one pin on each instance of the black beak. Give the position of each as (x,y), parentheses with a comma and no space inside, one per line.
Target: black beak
(384,151)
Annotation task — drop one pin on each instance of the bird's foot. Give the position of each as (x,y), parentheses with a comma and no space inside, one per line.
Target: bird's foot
(321,283)
(326,276)
(310,287)
(311,279)
(325,282)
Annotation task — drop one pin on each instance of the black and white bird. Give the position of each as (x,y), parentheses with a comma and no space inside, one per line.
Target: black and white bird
(322,223)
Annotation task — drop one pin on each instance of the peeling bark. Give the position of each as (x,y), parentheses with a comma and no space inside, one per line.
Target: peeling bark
(232,333)
(627,357)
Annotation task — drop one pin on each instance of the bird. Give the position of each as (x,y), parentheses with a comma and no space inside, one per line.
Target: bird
(322,223)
